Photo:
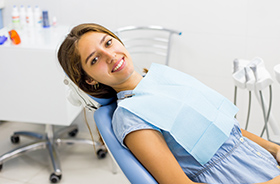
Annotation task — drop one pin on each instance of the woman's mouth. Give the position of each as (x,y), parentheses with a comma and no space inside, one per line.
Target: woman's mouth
(119,65)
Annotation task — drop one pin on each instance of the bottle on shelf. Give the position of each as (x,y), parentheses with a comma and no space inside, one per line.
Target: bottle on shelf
(46,22)
(54,22)
(29,17)
(15,17)
(38,16)
(22,16)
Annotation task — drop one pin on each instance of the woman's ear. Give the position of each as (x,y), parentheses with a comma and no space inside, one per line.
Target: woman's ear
(91,81)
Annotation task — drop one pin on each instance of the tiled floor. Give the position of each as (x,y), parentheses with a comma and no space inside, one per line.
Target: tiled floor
(78,162)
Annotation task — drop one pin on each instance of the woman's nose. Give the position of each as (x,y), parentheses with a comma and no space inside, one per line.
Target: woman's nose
(110,56)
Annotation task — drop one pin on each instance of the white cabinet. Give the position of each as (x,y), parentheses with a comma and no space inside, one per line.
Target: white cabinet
(31,79)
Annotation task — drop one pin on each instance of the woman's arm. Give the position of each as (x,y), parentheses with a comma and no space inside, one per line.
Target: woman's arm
(273,148)
(150,148)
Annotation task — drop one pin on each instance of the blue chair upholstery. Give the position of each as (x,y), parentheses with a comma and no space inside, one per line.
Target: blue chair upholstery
(130,166)
(103,101)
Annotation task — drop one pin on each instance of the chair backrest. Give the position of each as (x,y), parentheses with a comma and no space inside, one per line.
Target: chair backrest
(129,165)
(147,44)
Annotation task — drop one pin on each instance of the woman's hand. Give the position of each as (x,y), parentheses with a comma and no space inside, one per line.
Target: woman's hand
(276,153)
(273,148)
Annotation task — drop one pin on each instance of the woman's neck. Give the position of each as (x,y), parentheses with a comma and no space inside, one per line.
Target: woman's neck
(131,82)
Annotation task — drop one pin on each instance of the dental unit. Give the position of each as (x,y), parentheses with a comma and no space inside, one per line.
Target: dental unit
(253,76)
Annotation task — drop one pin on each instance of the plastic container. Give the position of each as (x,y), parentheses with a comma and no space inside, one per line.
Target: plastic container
(54,22)
(29,17)
(22,16)
(46,22)
(37,16)
(15,17)
(14,37)
(3,39)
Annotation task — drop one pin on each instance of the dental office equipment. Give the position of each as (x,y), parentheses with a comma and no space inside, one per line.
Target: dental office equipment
(241,76)
(253,76)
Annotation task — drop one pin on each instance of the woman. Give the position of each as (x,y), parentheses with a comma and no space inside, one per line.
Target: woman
(97,61)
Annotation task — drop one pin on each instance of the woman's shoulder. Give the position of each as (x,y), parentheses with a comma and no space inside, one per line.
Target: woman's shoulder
(125,122)
(124,116)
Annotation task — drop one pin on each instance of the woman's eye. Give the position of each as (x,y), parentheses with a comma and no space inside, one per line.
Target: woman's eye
(94,60)
(109,42)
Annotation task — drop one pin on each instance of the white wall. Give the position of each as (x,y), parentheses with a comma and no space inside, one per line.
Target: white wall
(214,34)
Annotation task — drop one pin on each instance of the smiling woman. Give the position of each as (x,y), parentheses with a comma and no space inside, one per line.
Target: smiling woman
(196,141)
(70,60)
(105,60)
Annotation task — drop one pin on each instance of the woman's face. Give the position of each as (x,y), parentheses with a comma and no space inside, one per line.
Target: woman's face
(105,59)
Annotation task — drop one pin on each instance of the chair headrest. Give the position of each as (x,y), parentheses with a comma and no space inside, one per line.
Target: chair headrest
(103,101)
(84,96)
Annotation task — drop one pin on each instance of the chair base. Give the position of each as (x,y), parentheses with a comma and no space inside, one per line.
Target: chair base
(50,141)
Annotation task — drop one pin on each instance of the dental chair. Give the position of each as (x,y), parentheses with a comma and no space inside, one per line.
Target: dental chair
(130,166)
(104,109)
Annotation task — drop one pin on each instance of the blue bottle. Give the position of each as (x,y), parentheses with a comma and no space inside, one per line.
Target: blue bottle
(46,22)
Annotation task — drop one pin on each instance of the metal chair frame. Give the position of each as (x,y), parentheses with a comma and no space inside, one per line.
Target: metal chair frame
(49,140)
(159,45)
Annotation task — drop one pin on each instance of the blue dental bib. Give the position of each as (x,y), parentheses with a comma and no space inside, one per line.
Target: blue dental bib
(199,118)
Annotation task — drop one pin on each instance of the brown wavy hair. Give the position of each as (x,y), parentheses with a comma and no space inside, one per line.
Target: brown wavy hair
(70,60)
